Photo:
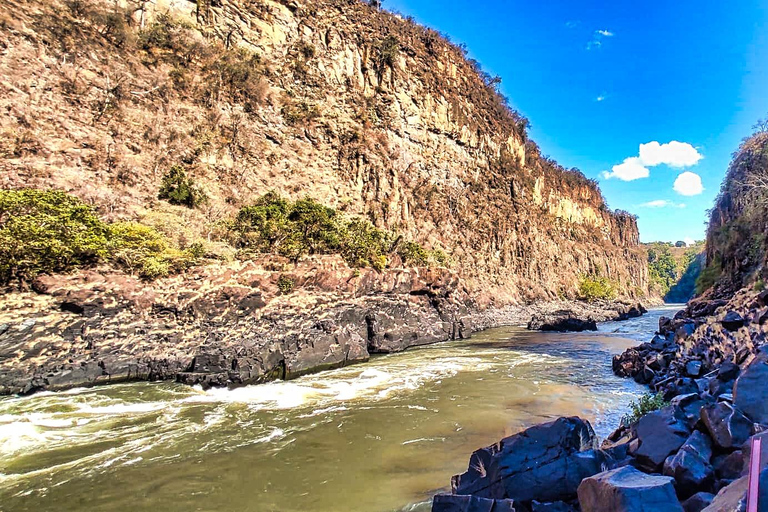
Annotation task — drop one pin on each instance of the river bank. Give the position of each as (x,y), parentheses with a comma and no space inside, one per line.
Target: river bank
(383,436)
(246,323)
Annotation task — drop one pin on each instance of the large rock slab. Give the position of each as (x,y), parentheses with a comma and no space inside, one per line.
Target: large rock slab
(698,502)
(750,393)
(733,498)
(628,490)
(659,434)
(690,466)
(545,462)
(726,425)
(459,503)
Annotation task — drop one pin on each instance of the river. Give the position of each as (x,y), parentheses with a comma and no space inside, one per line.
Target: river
(381,436)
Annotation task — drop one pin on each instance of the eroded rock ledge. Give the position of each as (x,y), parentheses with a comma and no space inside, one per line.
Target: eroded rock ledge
(228,325)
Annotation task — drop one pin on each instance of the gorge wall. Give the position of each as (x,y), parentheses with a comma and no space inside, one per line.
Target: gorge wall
(355,107)
(360,109)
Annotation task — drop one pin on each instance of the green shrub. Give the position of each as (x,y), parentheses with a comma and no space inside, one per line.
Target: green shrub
(178,188)
(413,254)
(146,252)
(645,404)
(47,231)
(363,245)
(273,224)
(285,284)
(592,288)
(50,231)
(709,276)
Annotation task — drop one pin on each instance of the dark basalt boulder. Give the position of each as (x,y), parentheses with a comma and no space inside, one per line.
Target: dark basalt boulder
(690,465)
(659,434)
(545,462)
(746,451)
(459,503)
(730,466)
(693,368)
(733,321)
(698,502)
(725,424)
(750,393)
(628,490)
(561,323)
(733,497)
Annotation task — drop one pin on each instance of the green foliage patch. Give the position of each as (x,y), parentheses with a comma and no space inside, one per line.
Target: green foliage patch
(178,188)
(47,231)
(51,231)
(294,229)
(594,287)
(709,276)
(642,406)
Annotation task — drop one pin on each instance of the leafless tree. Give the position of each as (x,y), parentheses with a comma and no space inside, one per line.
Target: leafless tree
(761,126)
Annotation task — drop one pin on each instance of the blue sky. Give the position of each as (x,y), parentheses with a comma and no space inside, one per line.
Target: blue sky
(598,79)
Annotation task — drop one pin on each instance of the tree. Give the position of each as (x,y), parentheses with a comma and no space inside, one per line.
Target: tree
(680,243)
(375,3)
(761,126)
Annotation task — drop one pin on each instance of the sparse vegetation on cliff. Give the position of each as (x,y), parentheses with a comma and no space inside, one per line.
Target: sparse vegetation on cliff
(295,229)
(595,287)
(50,231)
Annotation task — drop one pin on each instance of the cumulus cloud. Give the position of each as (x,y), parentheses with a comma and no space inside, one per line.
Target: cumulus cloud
(662,203)
(674,154)
(688,184)
(689,241)
(594,45)
(629,170)
(604,33)
(601,97)
(572,23)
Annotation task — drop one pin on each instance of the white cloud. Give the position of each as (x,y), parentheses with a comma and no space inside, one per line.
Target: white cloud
(689,241)
(601,97)
(688,184)
(606,33)
(662,203)
(629,170)
(674,154)
(572,23)
(594,44)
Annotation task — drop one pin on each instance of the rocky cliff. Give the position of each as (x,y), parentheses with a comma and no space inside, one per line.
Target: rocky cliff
(736,237)
(360,109)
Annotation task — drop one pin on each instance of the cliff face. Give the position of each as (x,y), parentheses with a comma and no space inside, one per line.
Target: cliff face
(736,238)
(357,108)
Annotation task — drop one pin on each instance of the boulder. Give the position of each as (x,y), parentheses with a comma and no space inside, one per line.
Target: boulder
(690,466)
(725,424)
(733,497)
(733,321)
(746,451)
(458,503)
(729,467)
(628,490)
(690,404)
(561,322)
(728,371)
(693,368)
(545,462)
(750,393)
(659,434)
(698,502)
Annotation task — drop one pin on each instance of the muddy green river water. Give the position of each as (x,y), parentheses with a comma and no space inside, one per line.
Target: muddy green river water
(381,436)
